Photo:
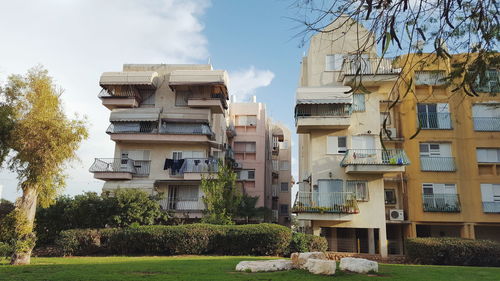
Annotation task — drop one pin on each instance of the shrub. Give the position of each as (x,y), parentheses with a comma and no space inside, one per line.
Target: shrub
(307,243)
(258,239)
(453,251)
(6,250)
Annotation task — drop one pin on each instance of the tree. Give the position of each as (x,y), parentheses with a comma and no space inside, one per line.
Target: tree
(436,27)
(43,140)
(133,206)
(5,208)
(222,197)
(248,210)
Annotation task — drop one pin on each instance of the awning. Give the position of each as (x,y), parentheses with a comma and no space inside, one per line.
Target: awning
(136,114)
(146,78)
(323,95)
(199,77)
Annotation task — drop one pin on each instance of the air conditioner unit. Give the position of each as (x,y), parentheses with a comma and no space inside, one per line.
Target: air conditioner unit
(391,132)
(237,165)
(396,215)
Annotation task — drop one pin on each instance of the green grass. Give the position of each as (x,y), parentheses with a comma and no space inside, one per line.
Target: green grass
(214,268)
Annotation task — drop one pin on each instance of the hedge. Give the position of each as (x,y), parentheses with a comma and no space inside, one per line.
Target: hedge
(453,251)
(196,239)
(307,243)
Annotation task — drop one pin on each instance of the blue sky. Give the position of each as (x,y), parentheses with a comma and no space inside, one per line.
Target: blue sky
(78,40)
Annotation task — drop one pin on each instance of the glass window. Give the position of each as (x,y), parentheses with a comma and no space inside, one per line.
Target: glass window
(251,174)
(284,209)
(336,145)
(246,120)
(488,155)
(284,165)
(284,187)
(385,116)
(358,102)
(359,188)
(390,196)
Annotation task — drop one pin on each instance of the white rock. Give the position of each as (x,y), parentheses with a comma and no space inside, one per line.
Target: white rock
(358,265)
(262,266)
(303,257)
(325,267)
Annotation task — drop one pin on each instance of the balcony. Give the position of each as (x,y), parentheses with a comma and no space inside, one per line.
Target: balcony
(194,168)
(370,69)
(322,117)
(327,202)
(446,203)
(373,161)
(430,78)
(119,168)
(216,102)
(487,124)
(275,191)
(491,207)
(437,164)
(182,204)
(435,120)
(120,98)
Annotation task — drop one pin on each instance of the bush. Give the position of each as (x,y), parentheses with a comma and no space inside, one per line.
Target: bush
(453,251)
(196,239)
(6,250)
(307,243)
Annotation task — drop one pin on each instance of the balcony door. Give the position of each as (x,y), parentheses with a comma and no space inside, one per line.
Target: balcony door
(440,195)
(329,192)
(433,115)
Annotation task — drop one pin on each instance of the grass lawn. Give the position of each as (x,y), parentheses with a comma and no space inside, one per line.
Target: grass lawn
(214,268)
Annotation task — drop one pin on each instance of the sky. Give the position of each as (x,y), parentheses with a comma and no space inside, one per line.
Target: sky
(78,40)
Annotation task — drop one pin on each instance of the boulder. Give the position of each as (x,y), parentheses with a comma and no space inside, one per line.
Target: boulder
(263,266)
(302,258)
(325,267)
(358,265)
(295,260)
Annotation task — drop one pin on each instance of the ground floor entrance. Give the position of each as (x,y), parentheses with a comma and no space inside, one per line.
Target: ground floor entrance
(352,240)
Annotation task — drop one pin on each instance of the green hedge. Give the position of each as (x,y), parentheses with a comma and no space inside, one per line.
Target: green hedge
(453,251)
(196,239)
(307,243)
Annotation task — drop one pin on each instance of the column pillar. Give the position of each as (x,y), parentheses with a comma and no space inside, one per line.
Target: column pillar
(316,229)
(382,234)
(371,241)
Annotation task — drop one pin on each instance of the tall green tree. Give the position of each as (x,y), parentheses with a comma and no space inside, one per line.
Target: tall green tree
(248,209)
(221,196)
(43,140)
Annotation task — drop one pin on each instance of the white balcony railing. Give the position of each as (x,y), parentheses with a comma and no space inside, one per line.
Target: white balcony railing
(121,165)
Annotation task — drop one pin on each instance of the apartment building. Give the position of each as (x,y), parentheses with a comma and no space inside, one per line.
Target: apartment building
(454,181)
(343,168)
(262,156)
(438,175)
(168,123)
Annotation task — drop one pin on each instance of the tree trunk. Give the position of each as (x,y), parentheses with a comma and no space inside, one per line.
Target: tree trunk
(26,206)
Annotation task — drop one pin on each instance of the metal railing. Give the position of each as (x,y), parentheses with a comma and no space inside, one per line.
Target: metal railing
(199,165)
(434,78)
(182,204)
(375,157)
(373,66)
(121,165)
(133,128)
(440,202)
(435,120)
(437,164)
(325,202)
(185,129)
(487,124)
(122,92)
(323,110)
(491,207)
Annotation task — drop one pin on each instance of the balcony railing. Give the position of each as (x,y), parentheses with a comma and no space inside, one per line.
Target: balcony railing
(185,129)
(487,124)
(123,92)
(182,204)
(327,202)
(435,120)
(435,78)
(275,190)
(323,110)
(199,165)
(133,128)
(121,165)
(438,164)
(371,66)
(491,207)
(375,157)
(441,203)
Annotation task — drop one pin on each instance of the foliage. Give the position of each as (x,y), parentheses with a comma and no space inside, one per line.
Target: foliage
(5,208)
(302,242)
(257,239)
(453,251)
(89,210)
(6,126)
(248,210)
(5,250)
(221,196)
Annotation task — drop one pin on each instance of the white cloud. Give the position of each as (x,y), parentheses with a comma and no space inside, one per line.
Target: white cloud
(78,40)
(244,83)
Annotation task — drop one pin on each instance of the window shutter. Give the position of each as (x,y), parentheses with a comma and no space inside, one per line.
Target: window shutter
(487,192)
(358,102)
(442,107)
(330,62)
(331,145)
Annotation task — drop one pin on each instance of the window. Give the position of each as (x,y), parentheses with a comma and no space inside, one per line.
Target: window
(359,188)
(385,116)
(390,196)
(276,165)
(486,110)
(490,82)
(358,102)
(246,175)
(284,209)
(181,98)
(328,186)
(488,155)
(148,98)
(438,188)
(249,147)
(435,150)
(284,145)
(336,145)
(490,192)
(246,120)
(333,62)
(284,187)
(362,142)
(434,116)
(284,165)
